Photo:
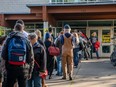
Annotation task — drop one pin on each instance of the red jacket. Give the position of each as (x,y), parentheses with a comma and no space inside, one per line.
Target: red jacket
(97,45)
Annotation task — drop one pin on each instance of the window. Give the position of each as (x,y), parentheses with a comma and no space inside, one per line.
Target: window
(106,49)
(115,31)
(106,36)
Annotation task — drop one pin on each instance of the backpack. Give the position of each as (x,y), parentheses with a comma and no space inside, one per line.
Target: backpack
(17,50)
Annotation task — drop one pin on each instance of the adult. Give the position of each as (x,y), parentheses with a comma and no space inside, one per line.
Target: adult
(18,55)
(40,62)
(38,33)
(50,59)
(50,32)
(67,52)
(93,40)
(2,39)
(76,49)
(23,27)
(58,44)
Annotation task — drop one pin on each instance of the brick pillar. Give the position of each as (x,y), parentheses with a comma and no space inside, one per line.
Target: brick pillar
(2,20)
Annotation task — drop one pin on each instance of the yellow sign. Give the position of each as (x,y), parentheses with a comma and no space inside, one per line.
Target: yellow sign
(45,30)
(106,39)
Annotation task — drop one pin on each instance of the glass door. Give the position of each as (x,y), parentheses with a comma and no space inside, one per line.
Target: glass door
(106,47)
(104,37)
(90,30)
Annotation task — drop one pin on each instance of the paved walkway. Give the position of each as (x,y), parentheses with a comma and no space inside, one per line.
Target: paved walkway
(91,73)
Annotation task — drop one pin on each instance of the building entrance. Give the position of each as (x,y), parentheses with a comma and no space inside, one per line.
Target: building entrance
(104,37)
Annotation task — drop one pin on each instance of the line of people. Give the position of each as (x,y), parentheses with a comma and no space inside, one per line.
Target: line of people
(25,57)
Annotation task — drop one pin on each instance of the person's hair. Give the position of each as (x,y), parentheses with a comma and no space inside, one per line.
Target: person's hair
(18,27)
(20,21)
(38,32)
(32,36)
(94,34)
(2,38)
(50,29)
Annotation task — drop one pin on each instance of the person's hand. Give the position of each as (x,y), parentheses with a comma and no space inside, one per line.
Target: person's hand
(29,76)
(41,73)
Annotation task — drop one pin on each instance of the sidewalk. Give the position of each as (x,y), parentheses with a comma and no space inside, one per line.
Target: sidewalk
(91,73)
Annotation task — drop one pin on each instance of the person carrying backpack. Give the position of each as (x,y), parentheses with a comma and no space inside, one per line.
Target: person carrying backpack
(18,55)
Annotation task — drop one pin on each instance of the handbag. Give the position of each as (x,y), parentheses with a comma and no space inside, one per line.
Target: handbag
(54,51)
(44,74)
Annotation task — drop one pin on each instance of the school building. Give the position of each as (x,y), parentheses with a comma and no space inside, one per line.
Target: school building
(85,15)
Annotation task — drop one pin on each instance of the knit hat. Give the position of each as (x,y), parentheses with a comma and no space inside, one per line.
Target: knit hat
(67,27)
(47,35)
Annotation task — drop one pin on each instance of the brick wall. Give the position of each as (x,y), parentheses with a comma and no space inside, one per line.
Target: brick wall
(1,17)
(2,21)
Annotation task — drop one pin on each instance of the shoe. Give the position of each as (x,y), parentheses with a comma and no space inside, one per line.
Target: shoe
(64,78)
(50,77)
(45,86)
(76,66)
(70,78)
(57,74)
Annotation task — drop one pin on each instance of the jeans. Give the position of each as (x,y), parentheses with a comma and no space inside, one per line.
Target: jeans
(76,58)
(35,81)
(59,66)
(94,50)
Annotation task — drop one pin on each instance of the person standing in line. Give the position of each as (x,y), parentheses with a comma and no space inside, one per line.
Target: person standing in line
(2,39)
(17,53)
(67,52)
(93,40)
(50,32)
(76,49)
(38,33)
(23,26)
(59,58)
(39,60)
(50,59)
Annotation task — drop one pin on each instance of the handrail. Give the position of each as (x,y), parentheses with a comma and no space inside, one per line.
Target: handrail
(79,1)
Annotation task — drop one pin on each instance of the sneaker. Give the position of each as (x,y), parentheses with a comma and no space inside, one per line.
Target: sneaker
(63,77)
(70,78)
(50,77)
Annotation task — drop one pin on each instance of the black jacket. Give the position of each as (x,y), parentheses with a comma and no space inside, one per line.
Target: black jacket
(39,58)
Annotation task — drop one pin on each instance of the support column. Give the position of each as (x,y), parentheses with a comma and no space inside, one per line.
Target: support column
(45,28)
(2,20)
(55,31)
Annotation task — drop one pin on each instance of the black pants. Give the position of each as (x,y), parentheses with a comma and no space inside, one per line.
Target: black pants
(50,64)
(18,74)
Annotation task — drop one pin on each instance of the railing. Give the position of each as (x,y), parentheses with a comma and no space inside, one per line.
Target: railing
(80,1)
